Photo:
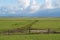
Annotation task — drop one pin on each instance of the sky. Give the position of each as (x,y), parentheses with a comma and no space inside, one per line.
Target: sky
(11,2)
(31,5)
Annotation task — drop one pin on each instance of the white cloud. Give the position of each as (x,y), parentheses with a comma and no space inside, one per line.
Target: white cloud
(58,3)
(34,6)
(48,4)
(24,3)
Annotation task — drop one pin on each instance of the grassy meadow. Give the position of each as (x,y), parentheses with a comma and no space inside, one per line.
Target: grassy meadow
(43,23)
(31,37)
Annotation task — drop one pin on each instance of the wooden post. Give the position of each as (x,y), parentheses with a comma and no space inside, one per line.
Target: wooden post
(48,30)
(29,30)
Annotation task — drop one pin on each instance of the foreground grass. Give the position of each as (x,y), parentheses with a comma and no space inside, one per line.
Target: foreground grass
(31,37)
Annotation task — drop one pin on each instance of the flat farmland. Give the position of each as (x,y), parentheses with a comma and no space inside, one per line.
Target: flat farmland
(13,24)
(43,23)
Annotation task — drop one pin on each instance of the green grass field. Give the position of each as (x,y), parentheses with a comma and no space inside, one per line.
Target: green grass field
(47,24)
(31,37)
(43,23)
(9,24)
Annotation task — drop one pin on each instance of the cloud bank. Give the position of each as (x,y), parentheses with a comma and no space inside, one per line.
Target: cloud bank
(48,4)
(31,5)
(24,3)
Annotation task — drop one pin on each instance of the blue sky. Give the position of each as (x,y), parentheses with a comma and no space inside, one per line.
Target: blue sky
(42,1)
(14,2)
(10,2)
(35,5)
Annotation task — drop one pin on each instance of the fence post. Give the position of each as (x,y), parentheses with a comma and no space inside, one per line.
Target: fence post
(29,30)
(49,31)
